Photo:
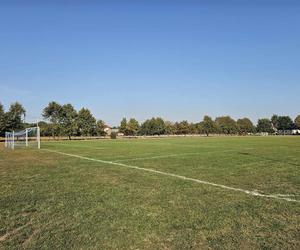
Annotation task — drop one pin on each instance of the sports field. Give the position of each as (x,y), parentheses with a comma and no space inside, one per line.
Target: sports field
(176,193)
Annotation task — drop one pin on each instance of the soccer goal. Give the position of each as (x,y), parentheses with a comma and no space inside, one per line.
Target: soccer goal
(29,137)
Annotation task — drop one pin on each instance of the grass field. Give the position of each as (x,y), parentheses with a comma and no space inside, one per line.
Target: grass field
(108,199)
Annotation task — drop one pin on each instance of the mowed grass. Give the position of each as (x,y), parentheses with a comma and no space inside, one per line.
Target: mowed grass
(54,201)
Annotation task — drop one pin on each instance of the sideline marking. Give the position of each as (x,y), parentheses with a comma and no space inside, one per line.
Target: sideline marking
(253,193)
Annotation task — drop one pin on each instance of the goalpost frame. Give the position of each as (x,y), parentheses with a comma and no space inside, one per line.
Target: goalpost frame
(26,137)
(11,136)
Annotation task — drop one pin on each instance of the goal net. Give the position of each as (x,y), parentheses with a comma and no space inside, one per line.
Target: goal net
(29,137)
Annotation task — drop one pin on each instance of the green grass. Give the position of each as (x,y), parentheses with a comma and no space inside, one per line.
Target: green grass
(54,201)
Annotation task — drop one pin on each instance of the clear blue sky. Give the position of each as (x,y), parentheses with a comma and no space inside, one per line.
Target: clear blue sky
(175,59)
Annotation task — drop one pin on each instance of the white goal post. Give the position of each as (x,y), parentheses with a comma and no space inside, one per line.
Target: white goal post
(29,137)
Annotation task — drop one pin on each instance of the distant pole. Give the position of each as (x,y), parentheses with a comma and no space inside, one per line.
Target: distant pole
(38,137)
(13,140)
(26,137)
(6,139)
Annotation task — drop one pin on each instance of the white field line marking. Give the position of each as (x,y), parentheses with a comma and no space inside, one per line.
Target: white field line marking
(253,193)
(284,195)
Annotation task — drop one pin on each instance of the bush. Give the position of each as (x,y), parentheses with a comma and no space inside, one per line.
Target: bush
(113,135)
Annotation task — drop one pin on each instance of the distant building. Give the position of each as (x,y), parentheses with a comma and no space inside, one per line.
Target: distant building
(107,129)
(116,130)
(288,132)
(263,133)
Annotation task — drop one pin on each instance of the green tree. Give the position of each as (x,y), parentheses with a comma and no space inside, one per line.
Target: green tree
(285,123)
(182,128)
(132,127)
(86,122)
(245,126)
(169,126)
(67,120)
(154,126)
(100,125)
(264,125)
(208,126)
(159,126)
(274,121)
(53,113)
(45,128)
(2,120)
(297,121)
(123,126)
(145,128)
(193,128)
(15,116)
(226,125)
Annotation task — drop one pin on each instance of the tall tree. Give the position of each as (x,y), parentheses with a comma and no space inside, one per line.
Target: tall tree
(193,128)
(208,125)
(274,121)
(145,128)
(159,126)
(45,128)
(67,120)
(170,129)
(154,126)
(285,123)
(2,120)
(182,128)
(100,126)
(86,122)
(53,113)
(245,126)
(264,125)
(123,125)
(15,116)
(226,125)
(297,121)
(132,127)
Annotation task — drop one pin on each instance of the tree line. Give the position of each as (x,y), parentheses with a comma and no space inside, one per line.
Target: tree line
(221,125)
(62,120)
(65,120)
(13,119)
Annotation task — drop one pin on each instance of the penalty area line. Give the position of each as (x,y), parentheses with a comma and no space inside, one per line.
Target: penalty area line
(248,192)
